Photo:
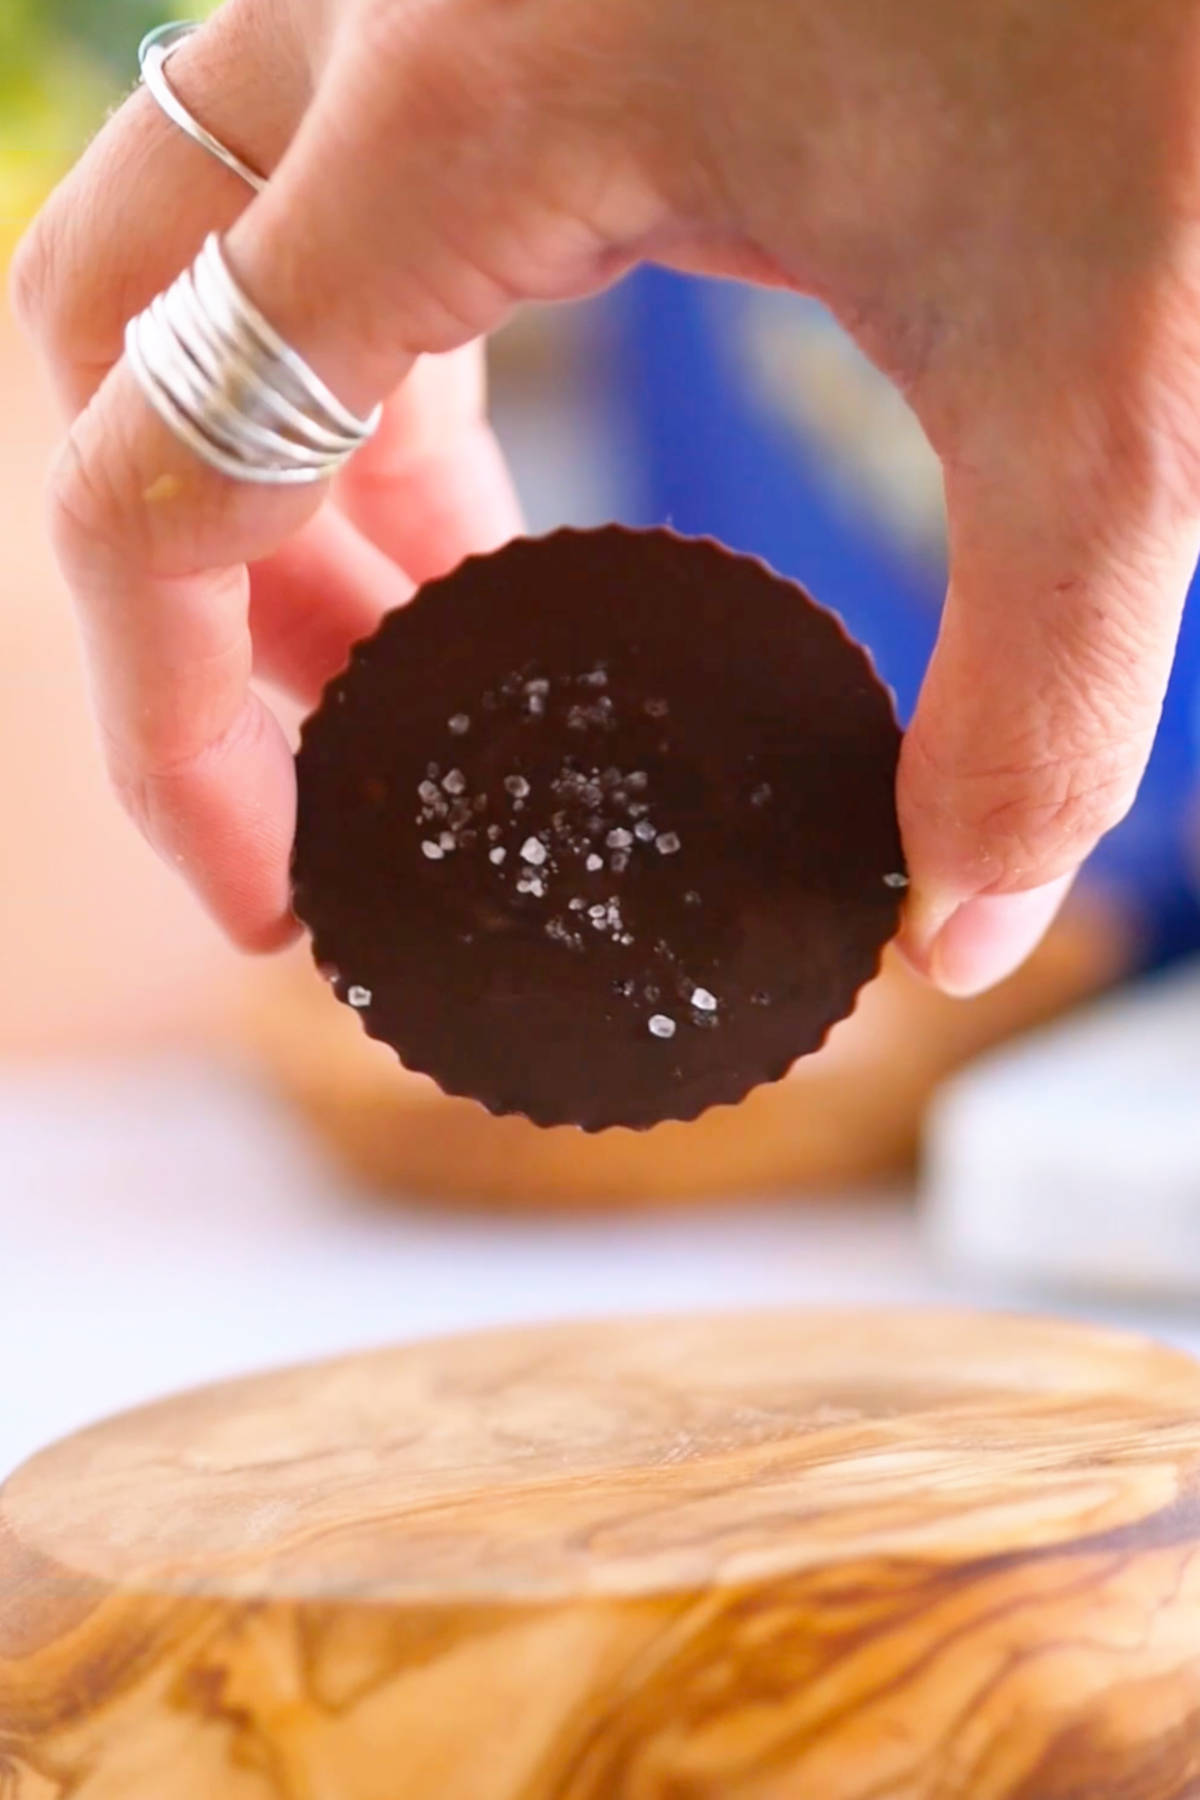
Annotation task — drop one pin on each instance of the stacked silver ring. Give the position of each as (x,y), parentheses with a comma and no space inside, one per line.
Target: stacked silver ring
(225,382)
(214,369)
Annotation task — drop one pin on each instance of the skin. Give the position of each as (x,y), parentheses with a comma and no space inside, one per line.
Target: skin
(1000,199)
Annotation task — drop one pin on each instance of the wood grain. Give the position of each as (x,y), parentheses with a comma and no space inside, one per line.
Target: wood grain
(888,1556)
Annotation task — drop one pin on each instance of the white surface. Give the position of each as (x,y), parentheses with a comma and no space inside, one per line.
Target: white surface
(165,1227)
(1075,1156)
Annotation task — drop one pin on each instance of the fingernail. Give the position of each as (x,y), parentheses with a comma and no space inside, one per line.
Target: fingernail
(990,936)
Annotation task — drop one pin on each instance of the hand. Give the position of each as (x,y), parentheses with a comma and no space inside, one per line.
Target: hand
(998,200)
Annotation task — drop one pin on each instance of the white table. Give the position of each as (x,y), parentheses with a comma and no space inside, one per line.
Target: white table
(163,1226)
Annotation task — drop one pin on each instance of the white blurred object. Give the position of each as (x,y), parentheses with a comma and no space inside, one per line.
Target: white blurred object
(1074,1159)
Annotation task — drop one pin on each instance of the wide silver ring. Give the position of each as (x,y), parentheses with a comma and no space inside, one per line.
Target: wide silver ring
(231,388)
(214,369)
(154,53)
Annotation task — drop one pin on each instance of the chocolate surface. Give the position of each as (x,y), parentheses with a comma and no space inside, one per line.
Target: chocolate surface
(601,829)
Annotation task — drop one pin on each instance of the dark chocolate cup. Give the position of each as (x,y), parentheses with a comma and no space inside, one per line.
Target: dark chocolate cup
(689,770)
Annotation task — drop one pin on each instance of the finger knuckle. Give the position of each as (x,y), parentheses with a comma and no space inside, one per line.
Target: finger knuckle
(83,502)
(1056,813)
(33,285)
(1022,817)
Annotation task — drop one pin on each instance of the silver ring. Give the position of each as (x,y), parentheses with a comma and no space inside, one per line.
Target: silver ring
(154,53)
(231,388)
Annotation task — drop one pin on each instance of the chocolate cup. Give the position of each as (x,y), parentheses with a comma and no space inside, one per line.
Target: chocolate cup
(601,829)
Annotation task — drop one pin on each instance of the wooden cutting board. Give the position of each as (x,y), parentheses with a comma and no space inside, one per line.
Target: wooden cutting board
(876,1556)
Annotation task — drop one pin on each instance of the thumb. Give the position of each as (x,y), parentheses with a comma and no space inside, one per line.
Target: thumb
(1042,699)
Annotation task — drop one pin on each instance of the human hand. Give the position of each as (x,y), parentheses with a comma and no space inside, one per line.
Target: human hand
(997,200)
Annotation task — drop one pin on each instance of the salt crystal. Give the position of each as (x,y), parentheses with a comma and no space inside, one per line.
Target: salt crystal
(538,687)
(455,782)
(597,914)
(760,998)
(428,792)
(651,993)
(533,851)
(359,996)
(645,831)
(619,839)
(703,1001)
(594,863)
(761,794)
(618,862)
(656,709)
(447,840)
(597,678)
(667,844)
(493,833)
(661,1026)
(433,851)
(460,724)
(517,786)
(637,781)
(897,880)
(577,904)
(497,855)
(626,938)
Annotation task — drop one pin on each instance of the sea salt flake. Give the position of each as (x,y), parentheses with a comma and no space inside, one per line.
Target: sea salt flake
(656,709)
(762,794)
(448,841)
(460,724)
(667,844)
(428,791)
(433,851)
(358,996)
(618,862)
(619,838)
(454,782)
(637,781)
(661,1027)
(594,863)
(497,855)
(691,898)
(703,1001)
(645,831)
(517,786)
(533,851)
(897,880)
